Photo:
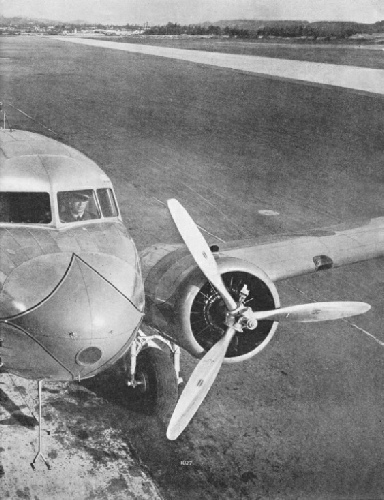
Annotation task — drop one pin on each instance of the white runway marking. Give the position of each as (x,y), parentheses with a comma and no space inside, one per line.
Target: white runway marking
(31,118)
(268,212)
(364,331)
(349,322)
(350,77)
(200,227)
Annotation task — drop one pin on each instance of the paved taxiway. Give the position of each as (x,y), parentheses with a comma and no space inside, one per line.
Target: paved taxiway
(304,419)
(350,77)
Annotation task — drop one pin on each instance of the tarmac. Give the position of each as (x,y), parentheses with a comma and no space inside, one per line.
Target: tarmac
(248,156)
(349,77)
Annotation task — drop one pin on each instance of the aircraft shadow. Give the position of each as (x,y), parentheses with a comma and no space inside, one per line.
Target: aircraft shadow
(17,416)
(109,386)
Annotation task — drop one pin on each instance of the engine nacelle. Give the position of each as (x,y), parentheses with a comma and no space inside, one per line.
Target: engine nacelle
(184,306)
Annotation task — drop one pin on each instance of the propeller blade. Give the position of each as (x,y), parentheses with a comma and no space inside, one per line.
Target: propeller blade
(199,250)
(317,311)
(198,386)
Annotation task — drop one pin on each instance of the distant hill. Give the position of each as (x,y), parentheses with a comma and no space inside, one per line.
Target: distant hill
(79,21)
(20,20)
(251,24)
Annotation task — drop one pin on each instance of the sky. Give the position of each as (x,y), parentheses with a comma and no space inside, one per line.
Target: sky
(194,11)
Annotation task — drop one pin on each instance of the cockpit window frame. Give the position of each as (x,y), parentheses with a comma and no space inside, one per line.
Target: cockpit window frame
(55,221)
(25,223)
(113,203)
(96,199)
(70,195)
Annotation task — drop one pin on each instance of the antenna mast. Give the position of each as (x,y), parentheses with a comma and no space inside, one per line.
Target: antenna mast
(5,121)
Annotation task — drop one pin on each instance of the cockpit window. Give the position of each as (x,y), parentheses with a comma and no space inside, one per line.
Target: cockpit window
(25,208)
(77,206)
(107,202)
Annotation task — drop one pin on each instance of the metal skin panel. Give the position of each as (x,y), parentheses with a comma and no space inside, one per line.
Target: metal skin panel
(85,310)
(68,173)
(31,282)
(33,260)
(32,162)
(23,143)
(24,173)
(21,355)
(34,280)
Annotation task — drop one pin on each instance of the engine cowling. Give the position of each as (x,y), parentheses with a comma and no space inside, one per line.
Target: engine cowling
(184,306)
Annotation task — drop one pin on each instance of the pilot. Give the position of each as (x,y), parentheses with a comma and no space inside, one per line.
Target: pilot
(76,208)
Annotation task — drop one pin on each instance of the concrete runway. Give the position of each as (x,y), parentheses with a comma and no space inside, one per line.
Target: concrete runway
(363,79)
(248,155)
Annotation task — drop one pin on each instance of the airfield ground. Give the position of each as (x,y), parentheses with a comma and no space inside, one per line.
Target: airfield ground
(363,55)
(304,419)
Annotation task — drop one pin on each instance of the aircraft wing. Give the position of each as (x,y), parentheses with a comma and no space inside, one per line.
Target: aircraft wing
(281,256)
(287,256)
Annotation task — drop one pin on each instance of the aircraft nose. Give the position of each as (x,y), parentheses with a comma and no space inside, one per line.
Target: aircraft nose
(85,319)
(30,283)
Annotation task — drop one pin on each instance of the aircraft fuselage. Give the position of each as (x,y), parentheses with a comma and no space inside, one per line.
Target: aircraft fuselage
(71,291)
(71,300)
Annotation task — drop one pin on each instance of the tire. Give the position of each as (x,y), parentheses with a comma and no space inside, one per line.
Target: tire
(158,393)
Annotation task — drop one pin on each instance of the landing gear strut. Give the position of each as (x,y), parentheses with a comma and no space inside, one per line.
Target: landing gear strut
(152,375)
(39,453)
(143,341)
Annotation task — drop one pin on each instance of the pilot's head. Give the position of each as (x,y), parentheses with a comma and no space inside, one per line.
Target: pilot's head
(78,203)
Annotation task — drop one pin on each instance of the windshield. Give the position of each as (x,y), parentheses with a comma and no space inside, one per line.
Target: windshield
(25,208)
(77,206)
(107,202)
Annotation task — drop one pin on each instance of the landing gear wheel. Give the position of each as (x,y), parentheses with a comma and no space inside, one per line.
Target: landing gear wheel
(157,392)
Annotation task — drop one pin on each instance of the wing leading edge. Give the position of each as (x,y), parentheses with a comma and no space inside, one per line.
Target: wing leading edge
(290,256)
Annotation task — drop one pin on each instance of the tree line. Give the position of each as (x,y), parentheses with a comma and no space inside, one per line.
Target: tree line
(327,30)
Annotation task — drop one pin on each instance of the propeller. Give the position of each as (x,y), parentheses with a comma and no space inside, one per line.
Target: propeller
(208,367)
(199,250)
(316,311)
(198,385)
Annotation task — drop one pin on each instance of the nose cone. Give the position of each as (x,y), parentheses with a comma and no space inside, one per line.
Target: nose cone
(88,317)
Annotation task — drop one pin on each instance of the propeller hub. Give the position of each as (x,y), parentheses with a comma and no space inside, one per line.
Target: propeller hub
(248,319)
(241,318)
(251,324)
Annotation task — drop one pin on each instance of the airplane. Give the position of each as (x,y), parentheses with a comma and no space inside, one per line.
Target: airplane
(74,290)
